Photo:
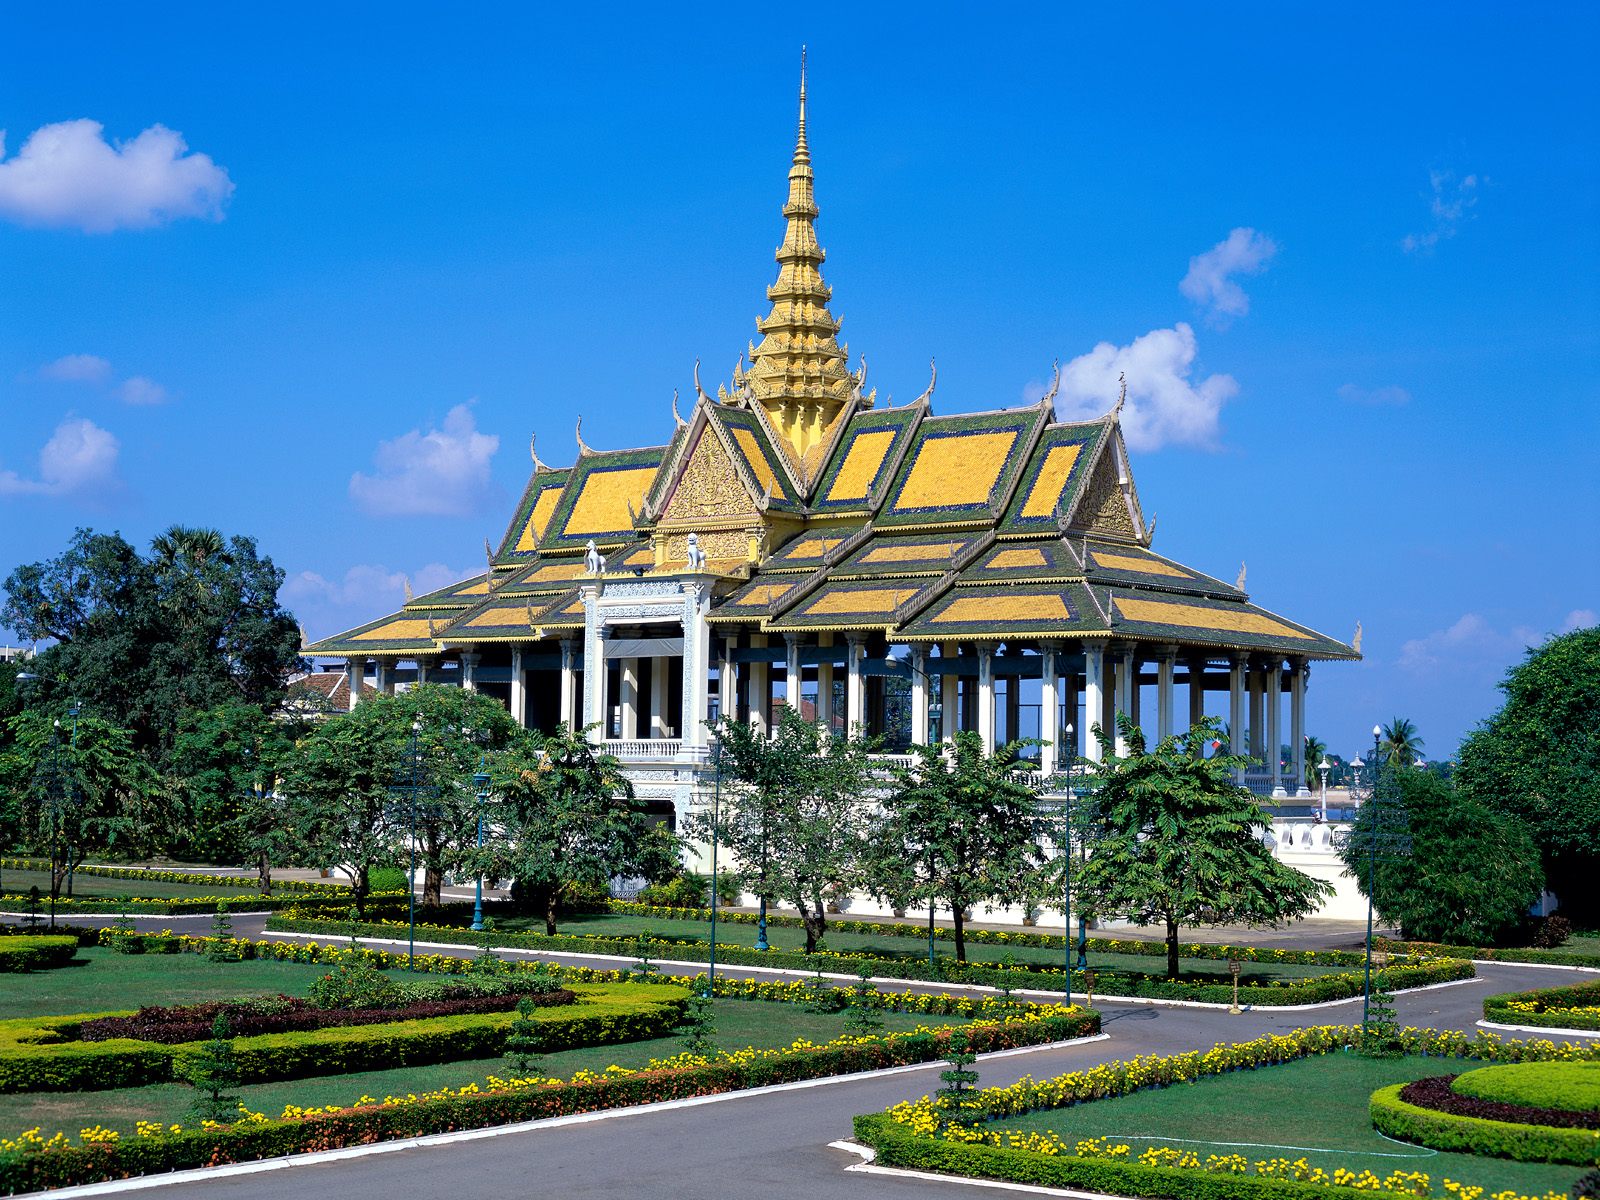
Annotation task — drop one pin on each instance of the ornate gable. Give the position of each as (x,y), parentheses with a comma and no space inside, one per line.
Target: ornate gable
(1108,506)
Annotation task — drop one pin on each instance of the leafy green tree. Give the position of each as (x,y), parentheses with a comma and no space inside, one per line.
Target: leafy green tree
(565,816)
(791,813)
(524,1045)
(1400,744)
(960,828)
(1464,874)
(211,1071)
(80,794)
(1176,841)
(194,624)
(1316,748)
(1538,759)
(221,770)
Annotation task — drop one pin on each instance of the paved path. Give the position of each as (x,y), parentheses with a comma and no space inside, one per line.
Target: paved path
(777,1144)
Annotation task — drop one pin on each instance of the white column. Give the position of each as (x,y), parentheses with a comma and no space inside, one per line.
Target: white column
(423,664)
(385,679)
(919,695)
(569,679)
(1197,690)
(1238,669)
(856,686)
(794,673)
(986,697)
(1274,716)
(519,689)
(760,703)
(1094,691)
(825,685)
(1258,739)
(1299,671)
(1166,664)
(728,682)
(596,715)
(949,695)
(696,696)
(1049,710)
(356,676)
(658,697)
(1127,686)
(469,670)
(629,724)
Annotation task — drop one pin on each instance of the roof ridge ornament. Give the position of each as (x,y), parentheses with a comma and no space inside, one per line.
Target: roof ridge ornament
(1048,399)
(405,582)
(583,447)
(700,391)
(533,453)
(1355,642)
(1239,582)
(1122,396)
(676,418)
(933,382)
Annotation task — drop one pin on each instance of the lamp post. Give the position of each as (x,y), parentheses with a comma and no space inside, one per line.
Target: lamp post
(716,805)
(1324,767)
(1372,868)
(480,783)
(1066,859)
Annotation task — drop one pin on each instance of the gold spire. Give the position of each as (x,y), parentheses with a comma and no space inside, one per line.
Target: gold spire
(798,372)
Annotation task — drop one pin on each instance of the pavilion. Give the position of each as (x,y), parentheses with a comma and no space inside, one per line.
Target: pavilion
(883,568)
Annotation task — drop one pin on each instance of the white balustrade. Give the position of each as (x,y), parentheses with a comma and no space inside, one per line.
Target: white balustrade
(643,748)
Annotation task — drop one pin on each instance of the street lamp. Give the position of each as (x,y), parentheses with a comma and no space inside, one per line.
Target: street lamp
(716,805)
(1066,858)
(1372,868)
(1324,766)
(480,784)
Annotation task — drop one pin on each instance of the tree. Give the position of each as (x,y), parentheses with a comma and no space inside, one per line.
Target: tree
(1176,841)
(195,624)
(1538,759)
(211,1071)
(1316,749)
(966,828)
(81,790)
(1400,744)
(791,814)
(566,815)
(1464,874)
(221,770)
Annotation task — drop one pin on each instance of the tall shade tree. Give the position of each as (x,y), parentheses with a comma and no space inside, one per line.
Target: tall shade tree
(1538,759)
(1400,743)
(966,827)
(566,816)
(1176,841)
(79,794)
(194,624)
(1461,874)
(791,812)
(1315,750)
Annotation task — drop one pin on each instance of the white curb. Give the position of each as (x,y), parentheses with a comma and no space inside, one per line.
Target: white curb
(1548,1032)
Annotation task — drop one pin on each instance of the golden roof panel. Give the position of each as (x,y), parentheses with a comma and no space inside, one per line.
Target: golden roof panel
(1053,478)
(531,520)
(958,468)
(602,498)
(855,604)
(865,459)
(1000,611)
(905,554)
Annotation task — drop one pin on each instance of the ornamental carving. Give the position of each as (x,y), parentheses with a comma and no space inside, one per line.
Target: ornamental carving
(709,486)
(718,545)
(1106,505)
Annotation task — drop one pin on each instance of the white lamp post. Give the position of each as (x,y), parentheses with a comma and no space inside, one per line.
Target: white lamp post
(1324,766)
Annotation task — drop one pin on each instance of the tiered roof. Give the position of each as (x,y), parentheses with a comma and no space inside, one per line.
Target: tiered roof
(818,512)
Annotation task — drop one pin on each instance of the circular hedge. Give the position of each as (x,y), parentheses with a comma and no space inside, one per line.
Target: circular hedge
(1570,1086)
(1409,1122)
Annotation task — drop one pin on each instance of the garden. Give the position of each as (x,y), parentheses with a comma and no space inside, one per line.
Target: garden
(1431,1114)
(245,1048)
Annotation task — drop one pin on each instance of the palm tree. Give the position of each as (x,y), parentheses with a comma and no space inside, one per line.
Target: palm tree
(1315,749)
(1400,744)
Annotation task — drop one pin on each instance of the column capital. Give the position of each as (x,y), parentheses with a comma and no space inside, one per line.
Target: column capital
(1094,645)
(1239,658)
(470,657)
(1167,654)
(794,638)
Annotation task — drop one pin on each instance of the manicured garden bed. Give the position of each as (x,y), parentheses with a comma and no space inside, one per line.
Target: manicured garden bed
(36,952)
(1573,1006)
(1280,1116)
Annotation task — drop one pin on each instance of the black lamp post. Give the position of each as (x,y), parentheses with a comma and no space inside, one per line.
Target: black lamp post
(1066,861)
(1372,866)
(480,784)
(716,816)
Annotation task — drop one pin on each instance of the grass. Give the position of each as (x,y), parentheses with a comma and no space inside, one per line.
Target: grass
(625,925)
(1314,1109)
(739,1023)
(100,980)
(96,887)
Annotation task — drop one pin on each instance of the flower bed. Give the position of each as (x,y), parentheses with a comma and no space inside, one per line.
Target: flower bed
(1439,1094)
(196,877)
(1555,958)
(33,1162)
(1568,1087)
(1397,976)
(1398,1115)
(1574,1006)
(175,906)
(36,952)
(924,1135)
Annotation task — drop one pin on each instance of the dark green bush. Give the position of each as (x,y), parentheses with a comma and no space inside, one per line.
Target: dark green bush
(37,952)
(686,891)
(356,986)
(1473,1135)
(1571,1086)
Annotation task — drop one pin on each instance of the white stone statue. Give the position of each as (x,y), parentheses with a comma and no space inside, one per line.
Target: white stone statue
(592,562)
(697,556)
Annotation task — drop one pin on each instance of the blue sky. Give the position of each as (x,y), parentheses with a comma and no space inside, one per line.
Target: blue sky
(417,236)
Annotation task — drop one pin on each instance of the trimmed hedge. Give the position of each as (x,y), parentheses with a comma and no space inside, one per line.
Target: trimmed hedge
(41,1164)
(36,952)
(1341,986)
(1570,1087)
(40,1055)
(1473,1135)
(163,876)
(1554,958)
(1548,1008)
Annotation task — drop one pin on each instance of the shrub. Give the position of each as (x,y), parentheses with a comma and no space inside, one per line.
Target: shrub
(1572,1006)
(522,1041)
(355,987)
(686,891)
(211,1072)
(29,952)
(1474,1135)
(1572,1087)
(1550,932)
(386,879)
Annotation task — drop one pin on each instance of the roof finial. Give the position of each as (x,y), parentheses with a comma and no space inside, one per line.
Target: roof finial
(1055,386)
(1122,396)
(583,447)
(679,421)
(1355,642)
(1239,582)
(534,454)
(802,152)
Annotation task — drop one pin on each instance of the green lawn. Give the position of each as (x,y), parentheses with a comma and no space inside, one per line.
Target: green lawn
(1315,1109)
(740,1023)
(99,887)
(890,946)
(99,980)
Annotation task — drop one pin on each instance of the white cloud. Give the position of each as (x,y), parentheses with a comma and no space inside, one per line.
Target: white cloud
(80,457)
(366,592)
(77,368)
(1580,618)
(1209,283)
(1167,403)
(68,175)
(1450,206)
(141,390)
(1471,642)
(443,472)
(1351,393)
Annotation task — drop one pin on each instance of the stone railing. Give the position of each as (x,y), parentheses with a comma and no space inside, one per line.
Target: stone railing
(633,749)
(1306,837)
